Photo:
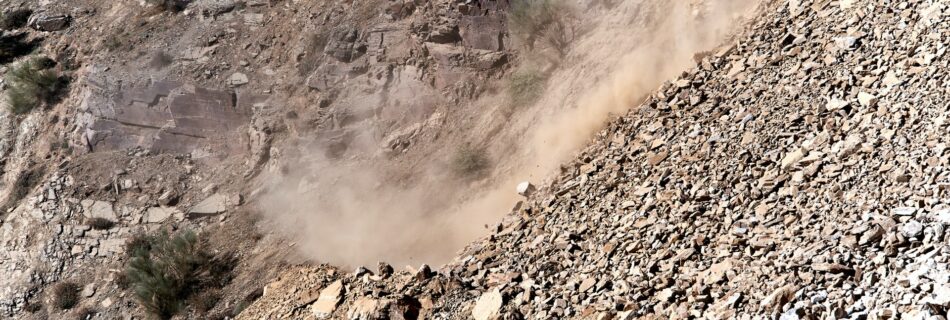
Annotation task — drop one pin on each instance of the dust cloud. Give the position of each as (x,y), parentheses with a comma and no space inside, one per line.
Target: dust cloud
(357,210)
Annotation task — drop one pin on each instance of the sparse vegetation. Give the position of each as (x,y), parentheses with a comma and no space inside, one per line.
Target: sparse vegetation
(469,161)
(33,307)
(166,270)
(16,45)
(160,60)
(14,19)
(86,313)
(100,223)
(548,23)
(65,295)
(525,87)
(112,42)
(238,308)
(33,83)
(205,301)
(168,5)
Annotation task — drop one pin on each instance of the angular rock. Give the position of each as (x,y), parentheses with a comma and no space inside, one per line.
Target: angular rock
(329,298)
(237,79)
(488,305)
(159,214)
(525,189)
(45,22)
(98,209)
(213,205)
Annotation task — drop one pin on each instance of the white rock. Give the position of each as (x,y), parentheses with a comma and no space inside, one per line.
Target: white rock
(525,189)
(866,99)
(488,305)
(238,79)
(904,211)
(98,209)
(912,229)
(328,300)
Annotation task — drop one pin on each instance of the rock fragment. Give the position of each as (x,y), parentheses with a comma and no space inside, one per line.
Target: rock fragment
(488,306)
(327,302)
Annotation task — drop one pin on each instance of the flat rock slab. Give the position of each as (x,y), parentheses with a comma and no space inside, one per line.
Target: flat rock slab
(329,299)
(213,205)
(165,116)
(98,209)
(159,214)
(488,305)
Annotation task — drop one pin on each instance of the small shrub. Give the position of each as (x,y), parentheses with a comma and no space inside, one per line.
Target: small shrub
(168,5)
(469,161)
(166,270)
(137,245)
(122,281)
(33,307)
(238,308)
(205,301)
(15,19)
(158,272)
(13,46)
(100,223)
(160,60)
(525,87)
(66,295)
(32,83)
(86,313)
(552,22)
(112,42)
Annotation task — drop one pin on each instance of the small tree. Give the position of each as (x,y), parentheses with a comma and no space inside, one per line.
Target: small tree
(550,22)
(469,161)
(525,87)
(159,272)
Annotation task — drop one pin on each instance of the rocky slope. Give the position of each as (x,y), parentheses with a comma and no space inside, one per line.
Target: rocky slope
(797,172)
(171,117)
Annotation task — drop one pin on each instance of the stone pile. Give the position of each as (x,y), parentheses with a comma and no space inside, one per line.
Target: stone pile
(799,172)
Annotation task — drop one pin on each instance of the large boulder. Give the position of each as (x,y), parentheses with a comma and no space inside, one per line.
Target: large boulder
(47,22)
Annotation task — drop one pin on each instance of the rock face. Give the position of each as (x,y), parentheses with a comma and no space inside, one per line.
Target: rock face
(165,117)
(796,173)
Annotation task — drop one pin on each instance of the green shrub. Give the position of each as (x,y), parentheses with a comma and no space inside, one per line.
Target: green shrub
(469,161)
(550,22)
(65,295)
(158,272)
(32,83)
(14,19)
(525,87)
(166,270)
